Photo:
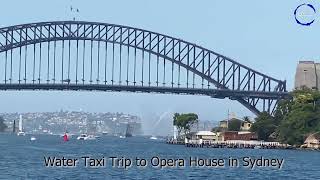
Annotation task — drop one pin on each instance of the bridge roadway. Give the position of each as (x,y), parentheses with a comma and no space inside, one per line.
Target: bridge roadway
(214,93)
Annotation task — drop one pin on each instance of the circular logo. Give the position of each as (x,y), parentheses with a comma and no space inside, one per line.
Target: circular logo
(304,14)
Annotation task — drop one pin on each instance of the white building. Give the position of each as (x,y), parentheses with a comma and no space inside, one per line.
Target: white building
(206,137)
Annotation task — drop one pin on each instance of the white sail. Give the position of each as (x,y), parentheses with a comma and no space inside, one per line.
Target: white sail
(20,123)
(20,133)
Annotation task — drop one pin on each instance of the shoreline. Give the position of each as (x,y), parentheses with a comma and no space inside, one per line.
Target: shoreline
(229,145)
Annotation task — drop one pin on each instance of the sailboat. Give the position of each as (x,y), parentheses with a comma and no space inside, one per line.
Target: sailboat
(14,127)
(21,133)
(65,137)
(129,131)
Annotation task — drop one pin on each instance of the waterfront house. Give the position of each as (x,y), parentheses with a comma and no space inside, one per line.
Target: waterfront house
(234,123)
(201,137)
(206,135)
(313,141)
(245,126)
(223,124)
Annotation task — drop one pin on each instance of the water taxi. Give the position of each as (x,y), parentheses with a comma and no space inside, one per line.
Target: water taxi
(86,137)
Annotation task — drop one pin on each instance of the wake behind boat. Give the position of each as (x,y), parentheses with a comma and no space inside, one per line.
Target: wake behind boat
(153,138)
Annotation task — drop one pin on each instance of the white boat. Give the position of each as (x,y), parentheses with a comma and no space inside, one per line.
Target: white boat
(82,137)
(33,138)
(21,133)
(122,137)
(153,138)
(86,137)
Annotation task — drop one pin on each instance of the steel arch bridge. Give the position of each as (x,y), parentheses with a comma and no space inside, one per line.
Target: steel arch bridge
(76,55)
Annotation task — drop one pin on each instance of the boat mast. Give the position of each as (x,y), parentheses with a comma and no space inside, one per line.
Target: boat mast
(127,130)
(14,126)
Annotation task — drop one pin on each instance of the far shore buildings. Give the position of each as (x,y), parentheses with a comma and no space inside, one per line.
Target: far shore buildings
(307,75)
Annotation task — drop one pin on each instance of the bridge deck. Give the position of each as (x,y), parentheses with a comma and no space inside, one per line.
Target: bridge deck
(215,93)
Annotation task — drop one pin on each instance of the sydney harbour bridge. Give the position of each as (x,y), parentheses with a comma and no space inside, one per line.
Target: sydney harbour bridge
(76,55)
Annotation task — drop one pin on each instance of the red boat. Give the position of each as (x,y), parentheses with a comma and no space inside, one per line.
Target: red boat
(65,137)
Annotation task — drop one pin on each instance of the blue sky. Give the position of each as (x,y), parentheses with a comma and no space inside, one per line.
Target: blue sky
(261,35)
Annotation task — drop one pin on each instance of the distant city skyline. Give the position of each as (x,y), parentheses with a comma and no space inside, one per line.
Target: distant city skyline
(261,35)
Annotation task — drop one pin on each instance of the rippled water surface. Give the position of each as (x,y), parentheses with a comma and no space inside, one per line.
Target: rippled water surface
(22,159)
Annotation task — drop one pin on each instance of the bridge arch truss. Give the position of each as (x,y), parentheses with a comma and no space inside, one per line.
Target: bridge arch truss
(75,55)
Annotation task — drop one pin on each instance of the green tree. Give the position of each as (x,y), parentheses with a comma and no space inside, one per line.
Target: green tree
(234,124)
(185,121)
(218,129)
(264,126)
(283,108)
(293,120)
(177,123)
(3,126)
(298,124)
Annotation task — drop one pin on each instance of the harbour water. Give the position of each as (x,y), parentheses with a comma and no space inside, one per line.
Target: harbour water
(21,158)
